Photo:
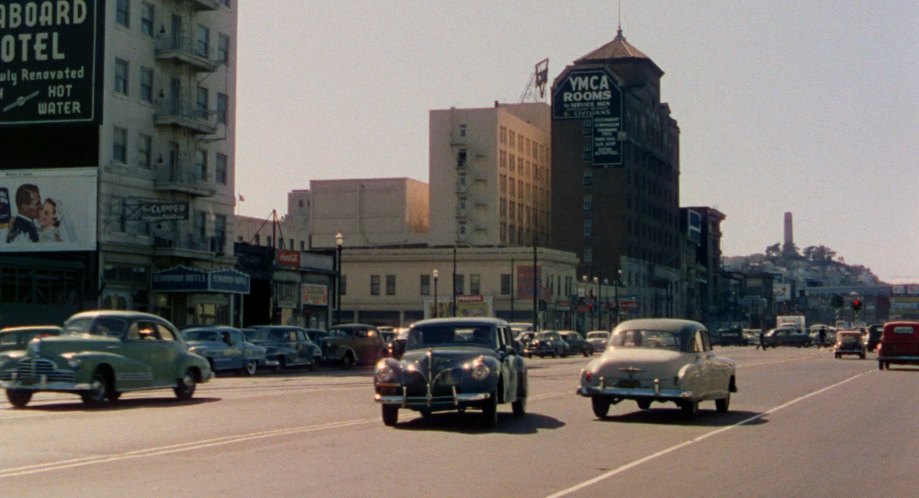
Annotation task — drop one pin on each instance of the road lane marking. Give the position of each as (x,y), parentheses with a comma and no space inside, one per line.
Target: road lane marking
(177,448)
(640,461)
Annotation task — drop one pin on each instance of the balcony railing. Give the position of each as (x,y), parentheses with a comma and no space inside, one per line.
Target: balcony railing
(185,178)
(204,4)
(185,49)
(188,244)
(181,113)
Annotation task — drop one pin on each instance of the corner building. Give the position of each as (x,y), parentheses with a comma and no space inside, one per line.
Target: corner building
(615,175)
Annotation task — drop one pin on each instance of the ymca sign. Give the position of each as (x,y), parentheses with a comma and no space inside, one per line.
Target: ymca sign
(593,96)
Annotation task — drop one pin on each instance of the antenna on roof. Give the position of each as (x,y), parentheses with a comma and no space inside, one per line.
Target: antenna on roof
(536,88)
(619,22)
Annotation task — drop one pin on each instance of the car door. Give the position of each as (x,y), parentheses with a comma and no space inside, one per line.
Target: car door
(135,371)
(509,371)
(165,354)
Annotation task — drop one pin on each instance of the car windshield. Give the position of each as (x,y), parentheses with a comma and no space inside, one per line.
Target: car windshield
(339,332)
(646,339)
(450,335)
(850,338)
(200,335)
(256,335)
(101,326)
(598,335)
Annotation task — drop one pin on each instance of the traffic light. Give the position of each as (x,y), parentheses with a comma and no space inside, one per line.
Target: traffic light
(856,304)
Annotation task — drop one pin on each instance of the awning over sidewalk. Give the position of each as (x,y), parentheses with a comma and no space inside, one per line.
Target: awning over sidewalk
(185,279)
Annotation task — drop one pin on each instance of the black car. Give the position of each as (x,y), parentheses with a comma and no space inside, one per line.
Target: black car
(287,345)
(453,364)
(731,337)
(785,336)
(576,343)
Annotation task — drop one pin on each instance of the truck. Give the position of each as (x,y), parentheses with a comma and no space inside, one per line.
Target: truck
(796,321)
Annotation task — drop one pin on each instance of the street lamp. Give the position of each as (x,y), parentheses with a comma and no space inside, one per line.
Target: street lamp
(599,323)
(339,241)
(436,274)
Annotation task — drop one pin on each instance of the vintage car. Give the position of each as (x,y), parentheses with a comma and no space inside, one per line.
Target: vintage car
(597,340)
(732,337)
(786,336)
(546,343)
(659,360)
(576,343)
(15,340)
(101,355)
(453,364)
(226,348)
(353,343)
(899,344)
(849,342)
(286,346)
(396,347)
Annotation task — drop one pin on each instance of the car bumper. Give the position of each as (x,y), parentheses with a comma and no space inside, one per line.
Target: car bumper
(655,393)
(454,400)
(43,384)
(899,359)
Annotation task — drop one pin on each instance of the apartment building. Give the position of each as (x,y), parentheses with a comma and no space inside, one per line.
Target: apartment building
(490,175)
(127,124)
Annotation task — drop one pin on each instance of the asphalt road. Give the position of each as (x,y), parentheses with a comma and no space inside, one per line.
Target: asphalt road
(803,424)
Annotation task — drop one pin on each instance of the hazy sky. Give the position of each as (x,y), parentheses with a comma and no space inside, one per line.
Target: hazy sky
(809,106)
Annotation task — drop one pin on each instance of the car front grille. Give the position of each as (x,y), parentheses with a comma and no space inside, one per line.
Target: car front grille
(33,370)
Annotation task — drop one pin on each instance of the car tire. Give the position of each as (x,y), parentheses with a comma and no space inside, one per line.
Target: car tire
(837,355)
(250,368)
(99,387)
(643,404)
(390,415)
(586,353)
(861,356)
(347,361)
(282,364)
(723,404)
(185,387)
(690,409)
(490,411)
(425,413)
(19,398)
(600,406)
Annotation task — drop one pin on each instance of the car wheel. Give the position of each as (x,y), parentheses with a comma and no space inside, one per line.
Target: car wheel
(585,353)
(425,413)
(185,388)
(643,404)
(880,365)
(250,367)
(312,366)
(600,405)
(861,356)
(18,398)
(390,415)
(690,408)
(347,361)
(529,356)
(490,411)
(519,407)
(837,355)
(98,387)
(555,354)
(723,404)
(282,364)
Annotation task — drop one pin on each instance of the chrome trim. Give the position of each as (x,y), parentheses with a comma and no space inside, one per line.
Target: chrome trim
(423,401)
(640,392)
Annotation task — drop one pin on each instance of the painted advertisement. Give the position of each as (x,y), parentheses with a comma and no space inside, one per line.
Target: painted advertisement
(50,61)
(315,294)
(593,96)
(48,210)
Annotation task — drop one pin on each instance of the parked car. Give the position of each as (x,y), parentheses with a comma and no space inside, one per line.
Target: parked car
(546,343)
(598,339)
(15,340)
(659,360)
(521,339)
(387,332)
(353,343)
(874,336)
(732,337)
(101,355)
(786,336)
(316,335)
(453,364)
(576,343)
(286,345)
(517,327)
(849,342)
(226,348)
(899,344)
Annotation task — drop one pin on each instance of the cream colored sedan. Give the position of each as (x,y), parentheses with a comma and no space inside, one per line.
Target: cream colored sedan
(659,360)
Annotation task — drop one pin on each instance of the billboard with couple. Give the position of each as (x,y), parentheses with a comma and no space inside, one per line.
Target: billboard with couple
(48,210)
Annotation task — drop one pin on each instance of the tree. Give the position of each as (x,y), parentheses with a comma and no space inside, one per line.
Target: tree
(774,250)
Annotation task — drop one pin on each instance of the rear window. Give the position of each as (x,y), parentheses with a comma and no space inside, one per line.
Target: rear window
(904,329)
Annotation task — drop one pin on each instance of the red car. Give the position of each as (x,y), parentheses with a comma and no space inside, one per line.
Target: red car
(899,344)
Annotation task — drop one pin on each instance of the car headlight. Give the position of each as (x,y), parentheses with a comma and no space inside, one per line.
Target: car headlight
(383,373)
(34,347)
(72,361)
(478,369)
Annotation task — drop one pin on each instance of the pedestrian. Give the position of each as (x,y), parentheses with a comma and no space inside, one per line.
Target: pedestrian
(762,339)
(822,336)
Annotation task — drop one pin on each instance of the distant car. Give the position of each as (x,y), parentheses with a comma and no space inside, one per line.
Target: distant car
(523,338)
(732,337)
(659,360)
(353,343)
(576,343)
(453,364)
(899,344)
(387,332)
(101,355)
(546,343)
(598,339)
(786,336)
(396,347)
(226,348)
(518,327)
(849,342)
(316,335)
(286,345)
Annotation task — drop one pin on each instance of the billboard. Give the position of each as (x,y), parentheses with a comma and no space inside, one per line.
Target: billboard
(48,210)
(50,61)
(593,96)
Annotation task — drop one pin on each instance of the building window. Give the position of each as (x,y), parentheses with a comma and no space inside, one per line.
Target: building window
(120,145)
(425,285)
(201,224)
(223,48)
(121,77)
(144,151)
(475,284)
(502,134)
(505,284)
(201,165)
(220,229)
(201,103)
(390,285)
(123,13)
(343,285)
(461,158)
(588,202)
(374,285)
(146,84)
(223,101)
(146,18)
(462,130)
(512,142)
(588,227)
(202,47)
(459,284)
(220,169)
(588,254)
(588,177)
(225,3)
